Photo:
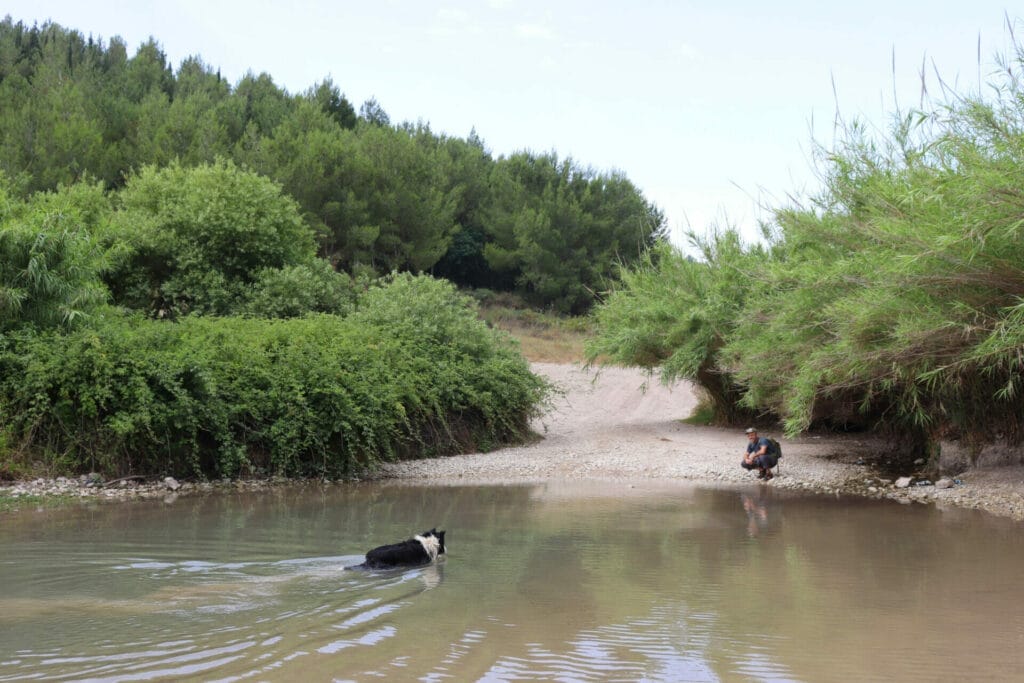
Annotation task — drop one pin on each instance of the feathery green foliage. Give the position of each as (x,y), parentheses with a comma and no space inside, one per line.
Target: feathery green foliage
(49,257)
(675,314)
(893,303)
(892,300)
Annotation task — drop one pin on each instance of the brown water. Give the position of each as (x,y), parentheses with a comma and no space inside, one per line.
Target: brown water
(555,582)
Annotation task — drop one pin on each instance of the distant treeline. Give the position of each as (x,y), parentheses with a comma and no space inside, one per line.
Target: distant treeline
(378,197)
(892,300)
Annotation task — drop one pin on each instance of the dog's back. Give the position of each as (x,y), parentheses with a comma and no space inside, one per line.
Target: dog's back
(404,554)
(418,550)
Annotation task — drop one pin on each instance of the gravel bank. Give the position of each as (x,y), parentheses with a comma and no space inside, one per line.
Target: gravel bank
(611,425)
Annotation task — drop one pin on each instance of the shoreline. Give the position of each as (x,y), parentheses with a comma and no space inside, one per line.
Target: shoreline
(606,426)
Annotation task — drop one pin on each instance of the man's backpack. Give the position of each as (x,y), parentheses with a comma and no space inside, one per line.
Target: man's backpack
(777,449)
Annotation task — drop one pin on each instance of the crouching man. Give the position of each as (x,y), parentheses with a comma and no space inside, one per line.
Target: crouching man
(760,455)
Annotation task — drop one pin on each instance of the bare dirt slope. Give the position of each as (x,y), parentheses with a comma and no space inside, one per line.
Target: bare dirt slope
(615,424)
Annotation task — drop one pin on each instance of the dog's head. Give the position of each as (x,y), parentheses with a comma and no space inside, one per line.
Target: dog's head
(437,537)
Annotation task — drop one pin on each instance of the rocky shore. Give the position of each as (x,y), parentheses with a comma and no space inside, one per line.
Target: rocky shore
(611,425)
(93,488)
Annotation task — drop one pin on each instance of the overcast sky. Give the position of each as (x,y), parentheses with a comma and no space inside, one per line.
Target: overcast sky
(709,107)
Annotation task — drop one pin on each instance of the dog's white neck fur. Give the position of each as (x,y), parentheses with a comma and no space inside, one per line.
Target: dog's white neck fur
(431,544)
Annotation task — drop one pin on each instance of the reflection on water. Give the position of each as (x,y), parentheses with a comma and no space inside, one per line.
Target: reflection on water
(573,581)
(757,513)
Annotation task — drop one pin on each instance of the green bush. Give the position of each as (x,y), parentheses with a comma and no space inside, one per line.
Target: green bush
(199,238)
(293,291)
(411,373)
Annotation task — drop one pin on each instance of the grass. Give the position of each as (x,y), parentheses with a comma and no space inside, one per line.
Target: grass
(543,337)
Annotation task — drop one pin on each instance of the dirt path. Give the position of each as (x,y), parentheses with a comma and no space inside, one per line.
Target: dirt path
(607,426)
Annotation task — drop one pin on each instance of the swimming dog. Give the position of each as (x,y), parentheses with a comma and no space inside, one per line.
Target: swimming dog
(419,550)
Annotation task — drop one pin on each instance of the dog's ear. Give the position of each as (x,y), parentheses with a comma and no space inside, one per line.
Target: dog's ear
(440,536)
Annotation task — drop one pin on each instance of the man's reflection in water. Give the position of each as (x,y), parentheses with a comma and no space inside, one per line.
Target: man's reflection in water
(757,514)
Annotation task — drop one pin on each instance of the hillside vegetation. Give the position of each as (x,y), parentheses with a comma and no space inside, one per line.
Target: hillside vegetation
(186,326)
(211,279)
(377,196)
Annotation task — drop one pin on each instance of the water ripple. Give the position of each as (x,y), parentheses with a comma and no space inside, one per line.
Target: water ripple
(562,589)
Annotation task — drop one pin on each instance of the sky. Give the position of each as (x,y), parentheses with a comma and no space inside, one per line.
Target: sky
(712,109)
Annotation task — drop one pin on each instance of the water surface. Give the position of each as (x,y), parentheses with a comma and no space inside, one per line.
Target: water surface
(581,581)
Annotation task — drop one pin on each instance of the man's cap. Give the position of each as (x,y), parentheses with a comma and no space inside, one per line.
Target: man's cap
(750,430)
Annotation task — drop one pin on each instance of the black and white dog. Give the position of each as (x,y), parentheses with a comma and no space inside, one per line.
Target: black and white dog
(419,550)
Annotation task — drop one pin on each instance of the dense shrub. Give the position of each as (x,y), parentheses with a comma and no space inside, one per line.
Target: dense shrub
(292,291)
(898,296)
(199,238)
(893,299)
(412,372)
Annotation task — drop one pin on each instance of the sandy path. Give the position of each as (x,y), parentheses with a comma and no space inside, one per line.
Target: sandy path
(606,425)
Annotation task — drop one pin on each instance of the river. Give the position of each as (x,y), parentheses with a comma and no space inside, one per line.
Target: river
(560,581)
